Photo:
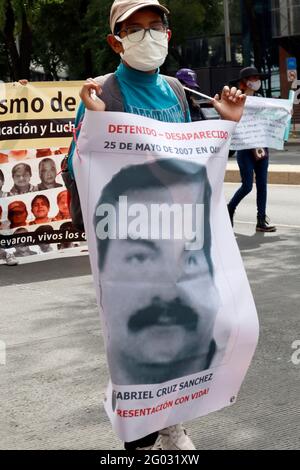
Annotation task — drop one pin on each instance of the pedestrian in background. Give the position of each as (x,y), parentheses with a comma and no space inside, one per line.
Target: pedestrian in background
(252,161)
(140,35)
(188,78)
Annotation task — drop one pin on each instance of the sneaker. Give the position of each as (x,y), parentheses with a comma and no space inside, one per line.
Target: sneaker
(263,225)
(175,438)
(11,260)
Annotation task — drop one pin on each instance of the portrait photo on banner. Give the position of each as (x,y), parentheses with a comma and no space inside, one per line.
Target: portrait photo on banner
(152,243)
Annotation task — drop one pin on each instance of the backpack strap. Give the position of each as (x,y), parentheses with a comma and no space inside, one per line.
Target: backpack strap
(180,94)
(111,93)
(68,160)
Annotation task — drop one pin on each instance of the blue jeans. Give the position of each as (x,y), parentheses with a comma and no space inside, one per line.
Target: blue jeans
(248,165)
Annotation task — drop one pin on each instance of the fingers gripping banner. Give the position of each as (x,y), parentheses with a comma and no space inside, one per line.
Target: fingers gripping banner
(179,320)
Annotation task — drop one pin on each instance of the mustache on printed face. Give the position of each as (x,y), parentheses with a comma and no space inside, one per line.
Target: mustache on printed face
(164,314)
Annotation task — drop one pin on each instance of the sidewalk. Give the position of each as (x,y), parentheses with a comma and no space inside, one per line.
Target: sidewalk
(277,174)
(284,165)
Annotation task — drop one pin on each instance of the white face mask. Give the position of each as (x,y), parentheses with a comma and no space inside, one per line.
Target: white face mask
(146,55)
(255,86)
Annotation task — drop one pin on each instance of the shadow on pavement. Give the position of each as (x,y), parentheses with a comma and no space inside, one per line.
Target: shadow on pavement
(257,240)
(46,270)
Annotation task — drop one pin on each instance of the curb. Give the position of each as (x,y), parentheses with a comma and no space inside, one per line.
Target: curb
(277,174)
(292,142)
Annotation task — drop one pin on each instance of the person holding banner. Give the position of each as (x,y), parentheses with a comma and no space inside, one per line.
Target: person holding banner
(140,35)
(143,90)
(252,161)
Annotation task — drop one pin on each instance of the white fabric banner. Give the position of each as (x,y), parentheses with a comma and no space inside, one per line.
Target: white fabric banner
(263,124)
(179,320)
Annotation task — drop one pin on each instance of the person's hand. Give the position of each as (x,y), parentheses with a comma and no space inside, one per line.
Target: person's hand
(23,82)
(88,95)
(231,104)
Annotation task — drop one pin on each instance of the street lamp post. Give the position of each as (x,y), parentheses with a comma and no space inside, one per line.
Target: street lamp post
(227,31)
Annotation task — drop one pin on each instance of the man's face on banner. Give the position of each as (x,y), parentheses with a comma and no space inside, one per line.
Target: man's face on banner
(160,300)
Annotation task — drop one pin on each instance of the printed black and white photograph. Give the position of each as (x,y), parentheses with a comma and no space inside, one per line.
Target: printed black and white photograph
(161,323)
(21,175)
(48,173)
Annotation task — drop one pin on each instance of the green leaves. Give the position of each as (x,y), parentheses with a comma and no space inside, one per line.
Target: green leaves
(72,33)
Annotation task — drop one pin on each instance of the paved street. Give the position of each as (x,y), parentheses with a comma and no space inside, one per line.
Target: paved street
(289,156)
(52,385)
(283,204)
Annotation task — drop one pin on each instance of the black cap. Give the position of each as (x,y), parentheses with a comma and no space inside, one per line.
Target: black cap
(249,72)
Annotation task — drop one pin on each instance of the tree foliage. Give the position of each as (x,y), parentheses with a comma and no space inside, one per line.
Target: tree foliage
(72,34)
(17,21)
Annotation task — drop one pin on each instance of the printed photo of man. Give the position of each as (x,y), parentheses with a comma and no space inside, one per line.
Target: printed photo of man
(158,295)
(47,172)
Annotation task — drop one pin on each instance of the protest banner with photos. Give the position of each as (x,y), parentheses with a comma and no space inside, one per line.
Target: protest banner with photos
(39,114)
(35,131)
(264,124)
(179,321)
